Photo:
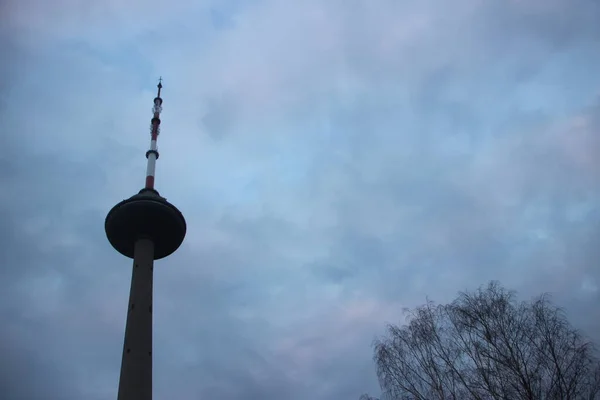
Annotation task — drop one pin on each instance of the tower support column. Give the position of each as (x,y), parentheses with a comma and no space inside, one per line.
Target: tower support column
(135,382)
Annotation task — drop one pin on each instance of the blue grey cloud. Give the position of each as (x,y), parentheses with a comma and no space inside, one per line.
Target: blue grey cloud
(335,161)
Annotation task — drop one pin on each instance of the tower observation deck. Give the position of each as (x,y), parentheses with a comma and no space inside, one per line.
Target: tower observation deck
(144,227)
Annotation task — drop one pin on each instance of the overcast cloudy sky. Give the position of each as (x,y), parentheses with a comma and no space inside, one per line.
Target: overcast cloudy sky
(336,161)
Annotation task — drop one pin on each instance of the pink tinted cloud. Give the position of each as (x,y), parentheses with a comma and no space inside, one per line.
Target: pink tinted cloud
(578,141)
(342,328)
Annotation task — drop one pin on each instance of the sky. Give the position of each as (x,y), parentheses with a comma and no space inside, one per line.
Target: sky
(336,162)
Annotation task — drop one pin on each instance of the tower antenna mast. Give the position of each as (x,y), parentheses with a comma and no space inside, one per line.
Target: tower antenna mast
(152,154)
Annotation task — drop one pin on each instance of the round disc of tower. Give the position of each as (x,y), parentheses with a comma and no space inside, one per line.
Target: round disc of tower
(145,215)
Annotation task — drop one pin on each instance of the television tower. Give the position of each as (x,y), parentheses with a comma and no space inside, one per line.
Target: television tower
(145,227)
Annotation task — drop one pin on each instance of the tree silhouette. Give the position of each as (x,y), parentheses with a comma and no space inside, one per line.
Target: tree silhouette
(486,345)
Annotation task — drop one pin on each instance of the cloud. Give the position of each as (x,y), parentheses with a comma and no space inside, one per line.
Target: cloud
(335,161)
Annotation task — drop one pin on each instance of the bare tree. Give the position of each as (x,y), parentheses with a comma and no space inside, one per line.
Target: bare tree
(486,345)
(367,397)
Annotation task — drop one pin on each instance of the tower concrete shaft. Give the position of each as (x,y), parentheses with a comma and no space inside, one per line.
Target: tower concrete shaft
(145,227)
(135,382)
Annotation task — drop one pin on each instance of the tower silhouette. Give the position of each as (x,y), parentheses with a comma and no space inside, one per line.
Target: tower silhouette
(145,227)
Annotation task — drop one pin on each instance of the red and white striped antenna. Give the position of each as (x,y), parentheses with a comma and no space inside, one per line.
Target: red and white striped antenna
(152,154)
